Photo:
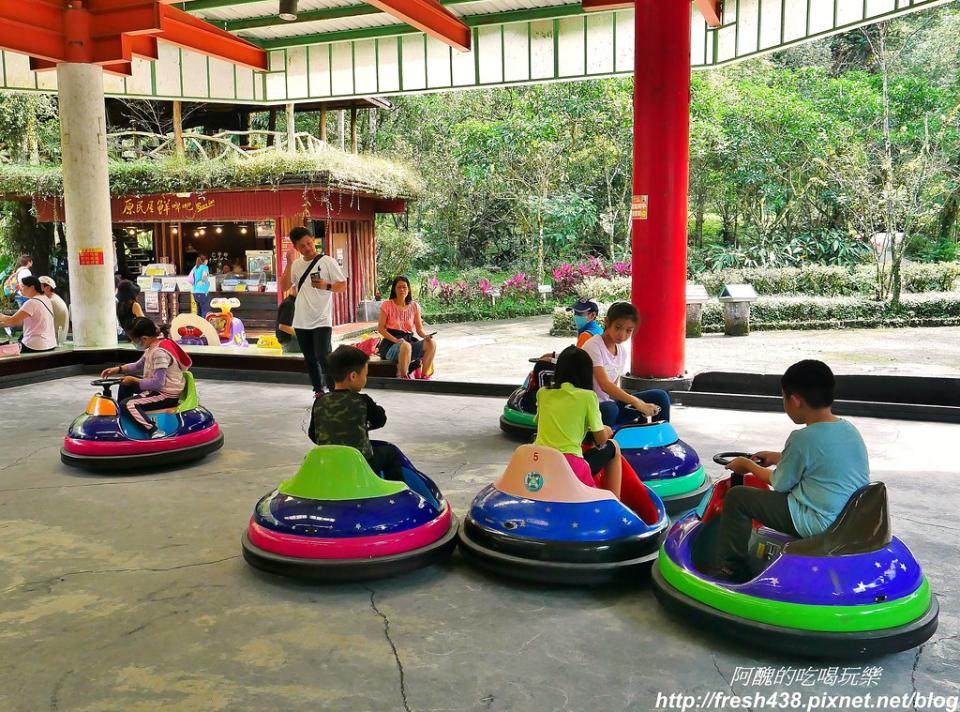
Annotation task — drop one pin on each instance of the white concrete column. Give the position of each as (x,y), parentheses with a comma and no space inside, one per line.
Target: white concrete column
(86,195)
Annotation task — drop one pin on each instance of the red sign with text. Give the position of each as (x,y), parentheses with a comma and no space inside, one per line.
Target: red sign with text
(91,256)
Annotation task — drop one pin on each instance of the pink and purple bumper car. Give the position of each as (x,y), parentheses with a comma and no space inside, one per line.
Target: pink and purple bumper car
(336,520)
(107,440)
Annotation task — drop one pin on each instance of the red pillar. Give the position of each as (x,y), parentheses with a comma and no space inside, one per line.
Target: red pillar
(661,147)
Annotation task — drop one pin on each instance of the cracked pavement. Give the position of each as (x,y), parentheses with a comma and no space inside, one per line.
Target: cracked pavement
(131,594)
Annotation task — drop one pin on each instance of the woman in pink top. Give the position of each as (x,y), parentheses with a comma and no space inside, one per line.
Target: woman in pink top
(36,316)
(399,320)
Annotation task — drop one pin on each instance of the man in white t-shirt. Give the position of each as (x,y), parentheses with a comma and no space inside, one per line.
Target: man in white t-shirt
(36,315)
(61,312)
(609,355)
(314,278)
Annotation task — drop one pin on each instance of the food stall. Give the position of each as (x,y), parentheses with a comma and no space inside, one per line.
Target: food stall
(243,233)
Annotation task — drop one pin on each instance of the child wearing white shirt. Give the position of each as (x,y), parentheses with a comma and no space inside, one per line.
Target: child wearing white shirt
(609,355)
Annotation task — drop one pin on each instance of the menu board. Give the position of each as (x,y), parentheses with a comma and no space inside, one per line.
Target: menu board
(259,261)
(148,284)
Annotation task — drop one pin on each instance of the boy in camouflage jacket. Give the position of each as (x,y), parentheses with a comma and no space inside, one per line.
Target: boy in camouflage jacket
(345,415)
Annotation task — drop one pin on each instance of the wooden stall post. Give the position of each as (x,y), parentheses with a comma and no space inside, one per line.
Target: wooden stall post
(178,129)
(291,129)
(353,129)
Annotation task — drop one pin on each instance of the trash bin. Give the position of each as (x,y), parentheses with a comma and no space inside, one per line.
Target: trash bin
(736,300)
(696,297)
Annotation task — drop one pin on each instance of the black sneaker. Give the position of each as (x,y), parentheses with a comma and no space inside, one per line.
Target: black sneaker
(730,574)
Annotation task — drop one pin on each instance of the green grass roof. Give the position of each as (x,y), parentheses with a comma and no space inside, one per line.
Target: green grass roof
(331,168)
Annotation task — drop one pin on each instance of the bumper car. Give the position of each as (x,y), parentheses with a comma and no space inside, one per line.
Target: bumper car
(518,417)
(538,522)
(106,439)
(665,463)
(852,591)
(337,521)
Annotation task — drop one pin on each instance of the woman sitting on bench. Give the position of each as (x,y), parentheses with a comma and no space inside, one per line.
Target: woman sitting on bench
(399,320)
(163,364)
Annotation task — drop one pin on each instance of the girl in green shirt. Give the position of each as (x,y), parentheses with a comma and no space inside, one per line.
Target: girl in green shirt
(567,411)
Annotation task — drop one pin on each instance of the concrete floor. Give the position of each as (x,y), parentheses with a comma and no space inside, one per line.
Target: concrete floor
(497,351)
(130,593)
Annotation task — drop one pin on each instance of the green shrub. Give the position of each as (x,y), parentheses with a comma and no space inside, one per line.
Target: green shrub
(563,323)
(930,276)
(602,289)
(828,281)
(786,313)
(503,309)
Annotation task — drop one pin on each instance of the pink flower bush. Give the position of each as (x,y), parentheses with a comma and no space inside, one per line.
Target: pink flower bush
(519,285)
(593,267)
(566,277)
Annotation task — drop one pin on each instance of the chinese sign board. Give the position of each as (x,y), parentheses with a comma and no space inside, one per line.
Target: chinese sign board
(638,207)
(91,256)
(166,207)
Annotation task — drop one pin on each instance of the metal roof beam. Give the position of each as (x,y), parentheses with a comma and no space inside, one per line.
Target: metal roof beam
(429,16)
(712,11)
(185,30)
(493,18)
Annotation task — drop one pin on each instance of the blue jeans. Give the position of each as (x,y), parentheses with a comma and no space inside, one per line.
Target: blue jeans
(416,351)
(615,413)
(203,303)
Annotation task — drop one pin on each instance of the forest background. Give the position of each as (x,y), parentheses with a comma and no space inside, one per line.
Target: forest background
(828,170)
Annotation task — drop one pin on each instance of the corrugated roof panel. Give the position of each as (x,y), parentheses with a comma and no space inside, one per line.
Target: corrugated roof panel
(487,6)
(309,28)
(269,8)
(265,9)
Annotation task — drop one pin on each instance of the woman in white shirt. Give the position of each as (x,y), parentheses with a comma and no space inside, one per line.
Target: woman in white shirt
(36,315)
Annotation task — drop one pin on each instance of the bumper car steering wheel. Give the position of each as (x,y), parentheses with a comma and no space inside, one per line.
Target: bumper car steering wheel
(725,458)
(106,384)
(636,417)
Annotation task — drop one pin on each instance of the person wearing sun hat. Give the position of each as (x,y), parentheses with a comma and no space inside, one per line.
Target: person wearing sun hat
(61,312)
(585,312)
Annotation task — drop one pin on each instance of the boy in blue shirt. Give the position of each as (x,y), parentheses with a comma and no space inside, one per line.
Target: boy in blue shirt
(820,467)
